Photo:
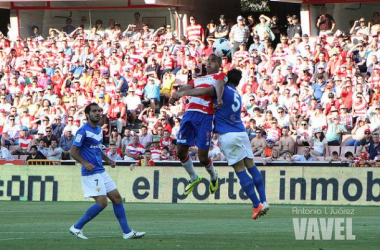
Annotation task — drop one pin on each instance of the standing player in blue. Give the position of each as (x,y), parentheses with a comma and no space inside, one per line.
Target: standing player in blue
(196,125)
(96,183)
(234,141)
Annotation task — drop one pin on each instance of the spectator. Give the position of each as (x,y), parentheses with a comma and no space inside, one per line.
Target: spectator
(58,126)
(286,143)
(325,23)
(65,143)
(49,137)
(294,28)
(306,156)
(375,119)
(117,113)
(35,154)
(365,142)
(156,150)
(374,148)
(258,143)
(222,30)
(239,34)
(214,152)
(127,139)
(11,133)
(194,31)
(134,151)
(25,142)
(263,30)
(68,28)
(318,143)
(152,93)
(115,138)
(54,152)
(145,138)
(359,27)
(268,148)
(358,132)
(5,154)
(42,148)
(334,157)
(335,132)
(146,160)
(112,154)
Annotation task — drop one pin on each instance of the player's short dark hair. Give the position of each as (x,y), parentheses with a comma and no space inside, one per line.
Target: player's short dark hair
(34,146)
(334,153)
(53,139)
(147,151)
(87,110)
(234,76)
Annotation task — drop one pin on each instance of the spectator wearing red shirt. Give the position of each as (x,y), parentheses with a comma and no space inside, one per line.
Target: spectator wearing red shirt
(117,113)
(166,140)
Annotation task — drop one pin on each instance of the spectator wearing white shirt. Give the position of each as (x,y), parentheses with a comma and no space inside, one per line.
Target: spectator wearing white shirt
(5,154)
(133,103)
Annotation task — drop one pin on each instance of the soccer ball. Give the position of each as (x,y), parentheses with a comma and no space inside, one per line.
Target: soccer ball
(222,47)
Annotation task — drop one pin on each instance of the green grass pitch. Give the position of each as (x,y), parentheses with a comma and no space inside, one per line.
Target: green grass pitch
(45,225)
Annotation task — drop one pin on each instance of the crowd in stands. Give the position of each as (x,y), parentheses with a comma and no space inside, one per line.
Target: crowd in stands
(303,100)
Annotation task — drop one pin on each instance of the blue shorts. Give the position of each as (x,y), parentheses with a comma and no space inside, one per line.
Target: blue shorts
(196,128)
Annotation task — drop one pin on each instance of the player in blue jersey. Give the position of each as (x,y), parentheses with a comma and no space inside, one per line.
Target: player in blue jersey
(96,183)
(234,141)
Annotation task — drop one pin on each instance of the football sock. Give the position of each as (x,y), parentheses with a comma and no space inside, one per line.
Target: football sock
(246,183)
(91,213)
(119,211)
(258,181)
(211,170)
(187,163)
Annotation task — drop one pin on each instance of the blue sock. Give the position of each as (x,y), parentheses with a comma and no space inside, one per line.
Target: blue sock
(119,211)
(258,181)
(246,183)
(90,214)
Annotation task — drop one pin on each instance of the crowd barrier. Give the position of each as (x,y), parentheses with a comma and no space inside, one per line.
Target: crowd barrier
(284,184)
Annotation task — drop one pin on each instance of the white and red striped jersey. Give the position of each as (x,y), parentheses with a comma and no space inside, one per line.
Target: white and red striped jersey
(194,32)
(24,142)
(135,150)
(166,143)
(156,153)
(204,104)
(241,55)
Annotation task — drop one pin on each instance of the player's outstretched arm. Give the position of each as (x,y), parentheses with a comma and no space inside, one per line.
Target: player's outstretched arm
(195,92)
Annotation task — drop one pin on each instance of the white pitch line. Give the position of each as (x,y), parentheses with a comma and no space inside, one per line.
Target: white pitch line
(13,239)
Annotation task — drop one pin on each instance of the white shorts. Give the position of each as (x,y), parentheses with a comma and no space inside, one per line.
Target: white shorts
(97,184)
(235,147)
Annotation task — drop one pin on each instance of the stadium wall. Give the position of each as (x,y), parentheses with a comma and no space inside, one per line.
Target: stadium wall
(284,185)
